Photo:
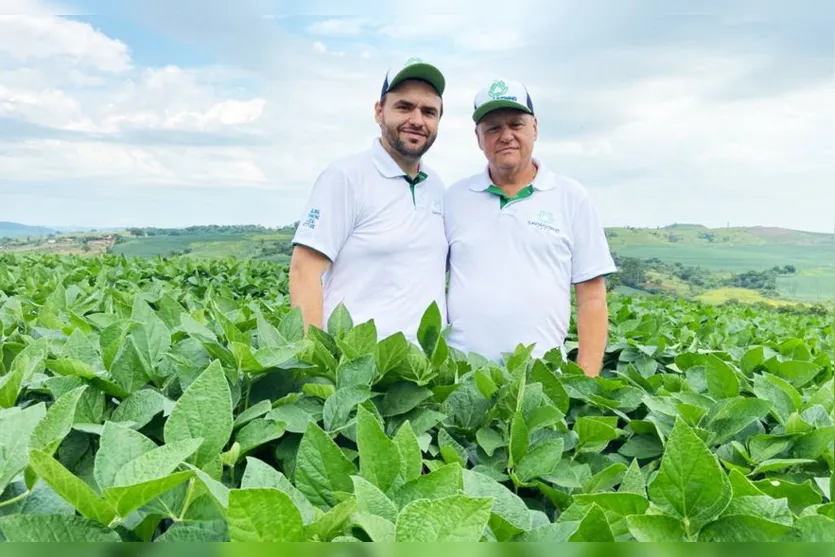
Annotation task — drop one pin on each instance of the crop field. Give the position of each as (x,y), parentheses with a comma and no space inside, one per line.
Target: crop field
(180,399)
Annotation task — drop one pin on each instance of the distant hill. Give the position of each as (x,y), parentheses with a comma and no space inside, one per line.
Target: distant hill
(15,230)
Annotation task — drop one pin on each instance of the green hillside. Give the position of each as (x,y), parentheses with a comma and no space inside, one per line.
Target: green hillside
(16,230)
(688,260)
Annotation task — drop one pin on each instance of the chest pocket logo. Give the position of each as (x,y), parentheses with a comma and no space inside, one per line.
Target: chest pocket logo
(544,220)
(436,207)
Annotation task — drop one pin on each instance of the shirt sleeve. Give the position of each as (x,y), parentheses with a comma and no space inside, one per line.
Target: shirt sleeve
(329,215)
(591,257)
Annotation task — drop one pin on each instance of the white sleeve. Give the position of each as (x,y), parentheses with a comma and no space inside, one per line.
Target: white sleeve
(329,214)
(591,257)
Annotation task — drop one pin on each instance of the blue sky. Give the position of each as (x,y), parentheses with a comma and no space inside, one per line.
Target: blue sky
(179,113)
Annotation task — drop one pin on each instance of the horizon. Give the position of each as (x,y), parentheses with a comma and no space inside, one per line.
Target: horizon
(82,228)
(148,116)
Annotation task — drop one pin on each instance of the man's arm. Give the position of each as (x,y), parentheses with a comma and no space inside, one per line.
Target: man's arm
(592,324)
(306,268)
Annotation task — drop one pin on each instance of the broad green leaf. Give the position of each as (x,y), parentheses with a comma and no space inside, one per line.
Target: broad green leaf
(322,469)
(734,415)
(359,372)
(339,322)
(745,528)
(443,482)
(263,515)
(541,461)
(203,411)
(333,522)
(372,501)
(57,423)
(390,352)
(156,463)
(411,461)
(376,527)
(379,456)
(141,407)
(509,514)
(16,427)
(71,488)
(128,498)
(260,474)
(402,397)
(690,483)
(594,527)
(129,368)
(338,407)
(633,481)
(656,528)
(722,381)
(54,528)
(118,445)
(458,518)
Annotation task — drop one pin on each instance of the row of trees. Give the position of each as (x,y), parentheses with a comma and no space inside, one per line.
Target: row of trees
(633,272)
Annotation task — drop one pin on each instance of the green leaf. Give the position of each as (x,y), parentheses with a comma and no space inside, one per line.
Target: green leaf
(128,498)
(443,482)
(71,488)
(378,455)
(390,352)
(371,500)
(722,381)
(744,528)
(541,461)
(594,527)
(203,411)
(129,368)
(322,469)
(656,528)
(359,372)
(339,322)
(16,427)
(338,407)
(429,330)
(509,514)
(118,445)
(411,461)
(54,528)
(450,519)
(260,474)
(57,423)
(690,483)
(263,515)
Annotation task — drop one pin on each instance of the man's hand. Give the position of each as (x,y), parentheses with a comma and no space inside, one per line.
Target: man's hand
(306,268)
(592,324)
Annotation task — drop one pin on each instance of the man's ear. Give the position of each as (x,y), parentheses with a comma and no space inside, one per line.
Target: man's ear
(478,137)
(535,129)
(378,112)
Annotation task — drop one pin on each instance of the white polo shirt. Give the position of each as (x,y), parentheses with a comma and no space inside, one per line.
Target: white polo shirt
(387,244)
(511,268)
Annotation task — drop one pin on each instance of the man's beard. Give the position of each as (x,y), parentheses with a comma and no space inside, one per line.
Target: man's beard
(402,147)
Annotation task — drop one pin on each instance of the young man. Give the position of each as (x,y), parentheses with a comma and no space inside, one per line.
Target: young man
(372,232)
(520,236)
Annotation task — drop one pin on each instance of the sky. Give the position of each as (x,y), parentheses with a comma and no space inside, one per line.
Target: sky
(169,114)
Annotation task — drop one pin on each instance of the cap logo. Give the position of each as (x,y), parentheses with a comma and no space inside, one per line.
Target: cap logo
(497,89)
(411,61)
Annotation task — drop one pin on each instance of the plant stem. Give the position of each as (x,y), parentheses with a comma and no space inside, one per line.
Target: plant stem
(14,500)
(187,501)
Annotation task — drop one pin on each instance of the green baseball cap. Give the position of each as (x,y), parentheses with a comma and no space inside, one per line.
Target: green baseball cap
(501,93)
(414,68)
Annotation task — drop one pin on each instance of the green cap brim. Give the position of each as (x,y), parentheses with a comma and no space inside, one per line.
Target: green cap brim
(425,72)
(490,106)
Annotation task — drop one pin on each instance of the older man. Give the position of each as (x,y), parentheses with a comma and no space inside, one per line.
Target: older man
(520,236)
(372,232)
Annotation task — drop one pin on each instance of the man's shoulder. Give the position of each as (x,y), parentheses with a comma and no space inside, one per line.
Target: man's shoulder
(464,185)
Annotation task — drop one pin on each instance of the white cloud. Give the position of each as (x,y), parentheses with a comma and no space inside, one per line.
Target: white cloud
(319,47)
(339,27)
(32,39)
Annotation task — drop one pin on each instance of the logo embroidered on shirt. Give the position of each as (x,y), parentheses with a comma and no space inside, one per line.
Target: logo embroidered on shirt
(436,207)
(544,220)
(312,219)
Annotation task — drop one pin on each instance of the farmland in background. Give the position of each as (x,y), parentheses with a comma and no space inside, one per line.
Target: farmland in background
(707,259)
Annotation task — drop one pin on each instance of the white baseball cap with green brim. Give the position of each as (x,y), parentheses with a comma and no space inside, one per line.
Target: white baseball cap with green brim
(414,68)
(501,93)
